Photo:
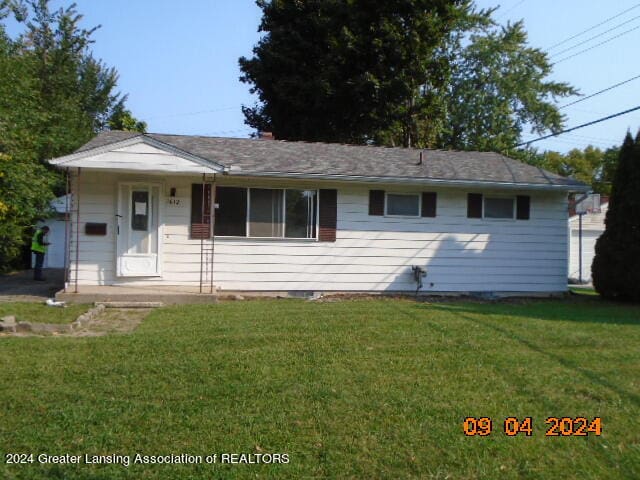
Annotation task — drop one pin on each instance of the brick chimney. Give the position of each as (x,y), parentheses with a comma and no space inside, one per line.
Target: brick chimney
(266,136)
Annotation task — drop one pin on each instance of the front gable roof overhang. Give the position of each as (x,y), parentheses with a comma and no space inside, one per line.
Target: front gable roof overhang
(90,158)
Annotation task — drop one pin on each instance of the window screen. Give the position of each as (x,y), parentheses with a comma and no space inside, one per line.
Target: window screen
(498,207)
(231,214)
(300,213)
(400,204)
(266,212)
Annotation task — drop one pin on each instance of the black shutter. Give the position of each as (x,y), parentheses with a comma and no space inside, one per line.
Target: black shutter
(429,203)
(200,221)
(474,205)
(523,207)
(376,202)
(328,218)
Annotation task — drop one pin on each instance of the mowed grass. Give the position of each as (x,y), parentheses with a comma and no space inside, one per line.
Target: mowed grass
(353,389)
(41,313)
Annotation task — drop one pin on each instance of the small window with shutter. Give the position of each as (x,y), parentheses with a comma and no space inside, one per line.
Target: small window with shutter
(498,207)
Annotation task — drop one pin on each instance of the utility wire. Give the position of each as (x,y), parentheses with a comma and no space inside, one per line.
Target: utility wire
(512,8)
(597,45)
(594,37)
(192,113)
(562,42)
(601,91)
(579,126)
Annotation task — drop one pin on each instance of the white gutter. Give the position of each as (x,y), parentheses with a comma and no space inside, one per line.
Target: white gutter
(420,181)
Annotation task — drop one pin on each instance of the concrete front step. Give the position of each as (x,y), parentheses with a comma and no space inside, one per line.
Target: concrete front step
(130,304)
(136,296)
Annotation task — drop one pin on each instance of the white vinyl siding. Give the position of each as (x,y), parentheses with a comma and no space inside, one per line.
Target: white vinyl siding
(371,253)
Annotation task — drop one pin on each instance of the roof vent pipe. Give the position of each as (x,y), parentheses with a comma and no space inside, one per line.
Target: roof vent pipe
(420,161)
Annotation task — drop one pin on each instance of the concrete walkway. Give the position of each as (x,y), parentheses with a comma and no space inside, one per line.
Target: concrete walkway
(20,286)
(121,293)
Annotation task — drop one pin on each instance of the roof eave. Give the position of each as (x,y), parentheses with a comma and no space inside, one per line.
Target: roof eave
(419,181)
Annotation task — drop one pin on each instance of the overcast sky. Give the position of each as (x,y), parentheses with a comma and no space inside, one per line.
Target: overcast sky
(179,66)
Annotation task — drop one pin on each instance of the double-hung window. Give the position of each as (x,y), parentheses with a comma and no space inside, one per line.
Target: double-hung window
(402,204)
(499,207)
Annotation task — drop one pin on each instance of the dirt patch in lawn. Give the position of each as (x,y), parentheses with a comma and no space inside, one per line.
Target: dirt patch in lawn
(109,321)
(114,320)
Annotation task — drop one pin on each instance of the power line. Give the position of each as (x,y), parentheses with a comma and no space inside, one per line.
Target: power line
(594,139)
(239,131)
(512,8)
(192,113)
(579,126)
(599,92)
(597,45)
(562,42)
(594,37)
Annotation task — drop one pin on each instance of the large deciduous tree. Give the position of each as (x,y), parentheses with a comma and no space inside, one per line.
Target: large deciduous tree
(616,265)
(498,88)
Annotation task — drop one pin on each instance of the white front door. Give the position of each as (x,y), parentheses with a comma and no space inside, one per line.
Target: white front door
(138,222)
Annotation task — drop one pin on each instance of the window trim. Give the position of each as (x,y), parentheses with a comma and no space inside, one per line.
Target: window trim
(284,215)
(418,195)
(514,206)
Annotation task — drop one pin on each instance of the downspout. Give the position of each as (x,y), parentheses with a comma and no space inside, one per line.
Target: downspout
(213,230)
(202,232)
(77,228)
(580,200)
(67,243)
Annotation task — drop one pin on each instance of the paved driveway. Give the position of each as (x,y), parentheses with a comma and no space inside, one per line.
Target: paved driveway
(20,286)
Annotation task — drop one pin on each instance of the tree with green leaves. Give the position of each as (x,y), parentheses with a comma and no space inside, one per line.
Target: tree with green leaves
(616,265)
(54,97)
(399,72)
(498,88)
(584,165)
(123,119)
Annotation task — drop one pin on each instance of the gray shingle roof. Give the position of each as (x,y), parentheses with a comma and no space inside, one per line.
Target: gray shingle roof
(307,158)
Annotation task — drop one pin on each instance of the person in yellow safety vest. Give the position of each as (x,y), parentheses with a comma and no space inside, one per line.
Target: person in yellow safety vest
(39,248)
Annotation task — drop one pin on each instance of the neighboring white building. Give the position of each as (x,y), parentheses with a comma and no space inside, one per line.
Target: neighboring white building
(298,216)
(56,237)
(595,210)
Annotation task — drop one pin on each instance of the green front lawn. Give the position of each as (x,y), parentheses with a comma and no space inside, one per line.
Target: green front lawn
(354,389)
(41,313)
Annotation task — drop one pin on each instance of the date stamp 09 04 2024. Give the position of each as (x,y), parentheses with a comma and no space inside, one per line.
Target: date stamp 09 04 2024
(555,426)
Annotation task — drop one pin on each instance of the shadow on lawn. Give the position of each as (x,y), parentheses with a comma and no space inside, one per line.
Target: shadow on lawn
(466,312)
(581,310)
